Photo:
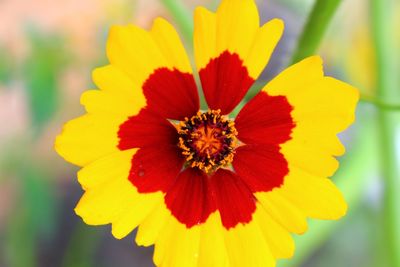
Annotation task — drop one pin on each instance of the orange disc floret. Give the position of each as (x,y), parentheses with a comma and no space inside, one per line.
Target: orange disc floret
(207,140)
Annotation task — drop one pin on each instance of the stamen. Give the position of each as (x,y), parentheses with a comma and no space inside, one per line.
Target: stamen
(207,140)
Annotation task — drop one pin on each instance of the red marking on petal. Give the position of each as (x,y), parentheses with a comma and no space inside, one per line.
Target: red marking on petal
(190,199)
(155,168)
(146,129)
(172,94)
(194,196)
(233,198)
(261,167)
(265,120)
(225,82)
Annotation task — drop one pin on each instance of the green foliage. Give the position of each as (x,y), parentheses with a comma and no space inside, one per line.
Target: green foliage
(387,90)
(6,66)
(82,246)
(20,239)
(41,71)
(36,216)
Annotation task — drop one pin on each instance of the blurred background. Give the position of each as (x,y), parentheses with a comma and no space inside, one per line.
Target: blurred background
(47,52)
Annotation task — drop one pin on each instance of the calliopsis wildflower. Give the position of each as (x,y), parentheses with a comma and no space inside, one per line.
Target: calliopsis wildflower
(205,188)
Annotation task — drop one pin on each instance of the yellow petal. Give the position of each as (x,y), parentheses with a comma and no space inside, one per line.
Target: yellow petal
(150,229)
(296,78)
(309,159)
(119,94)
(135,214)
(237,26)
(317,197)
(114,166)
(327,97)
(205,36)
(138,53)
(105,203)
(109,78)
(88,138)
(162,246)
(212,251)
(283,211)
(134,51)
(246,246)
(96,101)
(279,240)
(263,45)
(178,246)
(306,135)
(170,45)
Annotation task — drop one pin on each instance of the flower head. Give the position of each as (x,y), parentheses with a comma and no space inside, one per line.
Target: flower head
(205,188)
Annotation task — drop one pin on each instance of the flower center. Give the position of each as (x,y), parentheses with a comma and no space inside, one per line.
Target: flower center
(207,140)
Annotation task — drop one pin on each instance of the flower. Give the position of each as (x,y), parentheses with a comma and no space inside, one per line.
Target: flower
(208,190)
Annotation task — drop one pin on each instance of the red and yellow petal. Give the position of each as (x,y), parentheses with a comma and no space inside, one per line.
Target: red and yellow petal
(156,62)
(138,52)
(146,129)
(318,108)
(322,107)
(95,134)
(231,50)
(109,196)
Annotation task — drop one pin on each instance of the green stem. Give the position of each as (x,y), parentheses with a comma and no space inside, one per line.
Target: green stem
(379,103)
(182,17)
(387,89)
(314,30)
